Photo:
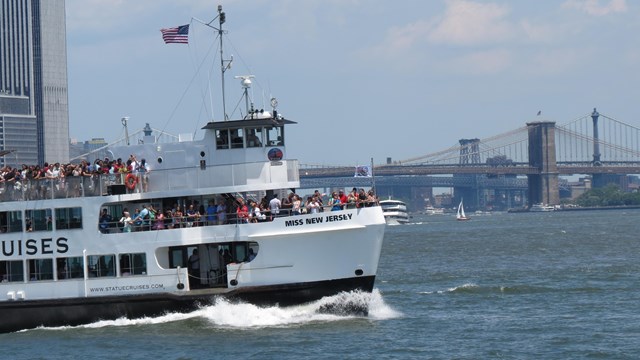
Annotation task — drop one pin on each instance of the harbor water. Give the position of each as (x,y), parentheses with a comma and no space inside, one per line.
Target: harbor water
(555,285)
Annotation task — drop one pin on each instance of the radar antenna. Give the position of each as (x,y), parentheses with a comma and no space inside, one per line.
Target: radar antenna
(245,81)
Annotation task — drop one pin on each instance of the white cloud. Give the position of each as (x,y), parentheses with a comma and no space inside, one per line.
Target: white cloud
(469,23)
(593,7)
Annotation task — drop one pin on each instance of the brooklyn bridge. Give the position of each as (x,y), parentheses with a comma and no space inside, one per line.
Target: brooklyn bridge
(525,166)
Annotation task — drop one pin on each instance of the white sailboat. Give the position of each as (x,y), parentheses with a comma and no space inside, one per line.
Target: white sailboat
(460,215)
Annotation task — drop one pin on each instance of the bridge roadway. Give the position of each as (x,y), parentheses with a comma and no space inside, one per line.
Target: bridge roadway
(417,175)
(518,169)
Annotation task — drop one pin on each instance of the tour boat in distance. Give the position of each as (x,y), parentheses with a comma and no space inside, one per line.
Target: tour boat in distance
(395,211)
(72,254)
(460,215)
(541,208)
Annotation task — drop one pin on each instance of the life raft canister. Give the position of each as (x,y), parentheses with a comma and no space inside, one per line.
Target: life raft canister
(131,181)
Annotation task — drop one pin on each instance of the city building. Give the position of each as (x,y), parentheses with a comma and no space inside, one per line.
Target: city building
(34,111)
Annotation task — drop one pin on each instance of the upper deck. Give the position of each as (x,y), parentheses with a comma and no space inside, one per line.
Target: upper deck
(233,156)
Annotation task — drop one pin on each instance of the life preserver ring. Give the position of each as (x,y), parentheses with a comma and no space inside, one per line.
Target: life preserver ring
(131,181)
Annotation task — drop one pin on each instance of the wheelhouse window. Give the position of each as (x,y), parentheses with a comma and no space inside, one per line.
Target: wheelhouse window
(10,221)
(222,139)
(101,265)
(70,268)
(254,137)
(69,218)
(11,271)
(275,136)
(237,138)
(40,269)
(133,264)
(38,220)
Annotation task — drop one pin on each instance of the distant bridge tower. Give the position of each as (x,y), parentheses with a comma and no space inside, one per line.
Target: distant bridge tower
(543,187)
(469,154)
(596,141)
(469,151)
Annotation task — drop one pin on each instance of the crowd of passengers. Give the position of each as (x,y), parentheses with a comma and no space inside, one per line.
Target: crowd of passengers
(17,178)
(229,210)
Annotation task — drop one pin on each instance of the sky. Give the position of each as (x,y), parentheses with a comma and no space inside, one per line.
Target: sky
(364,79)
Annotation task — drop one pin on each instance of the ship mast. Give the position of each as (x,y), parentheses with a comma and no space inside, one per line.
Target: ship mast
(224,64)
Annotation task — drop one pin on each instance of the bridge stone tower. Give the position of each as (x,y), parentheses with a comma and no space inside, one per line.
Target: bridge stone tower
(466,185)
(543,186)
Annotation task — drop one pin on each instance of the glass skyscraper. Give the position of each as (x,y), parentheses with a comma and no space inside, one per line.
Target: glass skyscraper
(34,111)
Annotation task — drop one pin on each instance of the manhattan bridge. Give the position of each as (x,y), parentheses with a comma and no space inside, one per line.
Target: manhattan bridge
(513,169)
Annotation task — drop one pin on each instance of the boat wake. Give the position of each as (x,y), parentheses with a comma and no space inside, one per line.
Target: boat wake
(226,314)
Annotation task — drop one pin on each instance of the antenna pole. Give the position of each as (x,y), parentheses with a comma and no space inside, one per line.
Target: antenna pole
(223,67)
(126,129)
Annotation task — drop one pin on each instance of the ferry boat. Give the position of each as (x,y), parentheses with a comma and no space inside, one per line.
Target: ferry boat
(395,211)
(541,208)
(70,256)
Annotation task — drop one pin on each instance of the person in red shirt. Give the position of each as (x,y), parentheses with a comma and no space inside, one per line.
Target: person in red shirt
(343,198)
(242,211)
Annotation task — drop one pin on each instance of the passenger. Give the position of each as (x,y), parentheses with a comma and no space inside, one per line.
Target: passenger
(126,222)
(226,256)
(143,218)
(313,207)
(256,215)
(296,204)
(242,211)
(319,197)
(194,270)
(105,221)
(274,206)
(178,218)
(334,202)
(361,200)
(143,171)
(212,213)
(351,201)
(221,210)
(192,216)
(343,198)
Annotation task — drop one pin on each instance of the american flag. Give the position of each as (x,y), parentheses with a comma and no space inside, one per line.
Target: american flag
(178,35)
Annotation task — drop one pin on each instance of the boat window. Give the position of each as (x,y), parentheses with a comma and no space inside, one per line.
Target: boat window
(236,138)
(101,265)
(222,139)
(70,268)
(69,218)
(133,264)
(10,221)
(275,136)
(40,269)
(11,271)
(254,137)
(38,220)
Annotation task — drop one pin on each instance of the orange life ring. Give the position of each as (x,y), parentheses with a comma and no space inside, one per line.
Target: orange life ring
(131,181)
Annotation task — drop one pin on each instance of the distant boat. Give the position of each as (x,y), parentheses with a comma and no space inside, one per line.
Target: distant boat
(541,208)
(460,215)
(430,210)
(394,211)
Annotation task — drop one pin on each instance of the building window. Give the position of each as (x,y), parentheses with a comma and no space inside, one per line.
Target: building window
(70,268)
(11,271)
(69,218)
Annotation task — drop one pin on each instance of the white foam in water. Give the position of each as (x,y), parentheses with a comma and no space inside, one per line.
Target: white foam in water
(249,316)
